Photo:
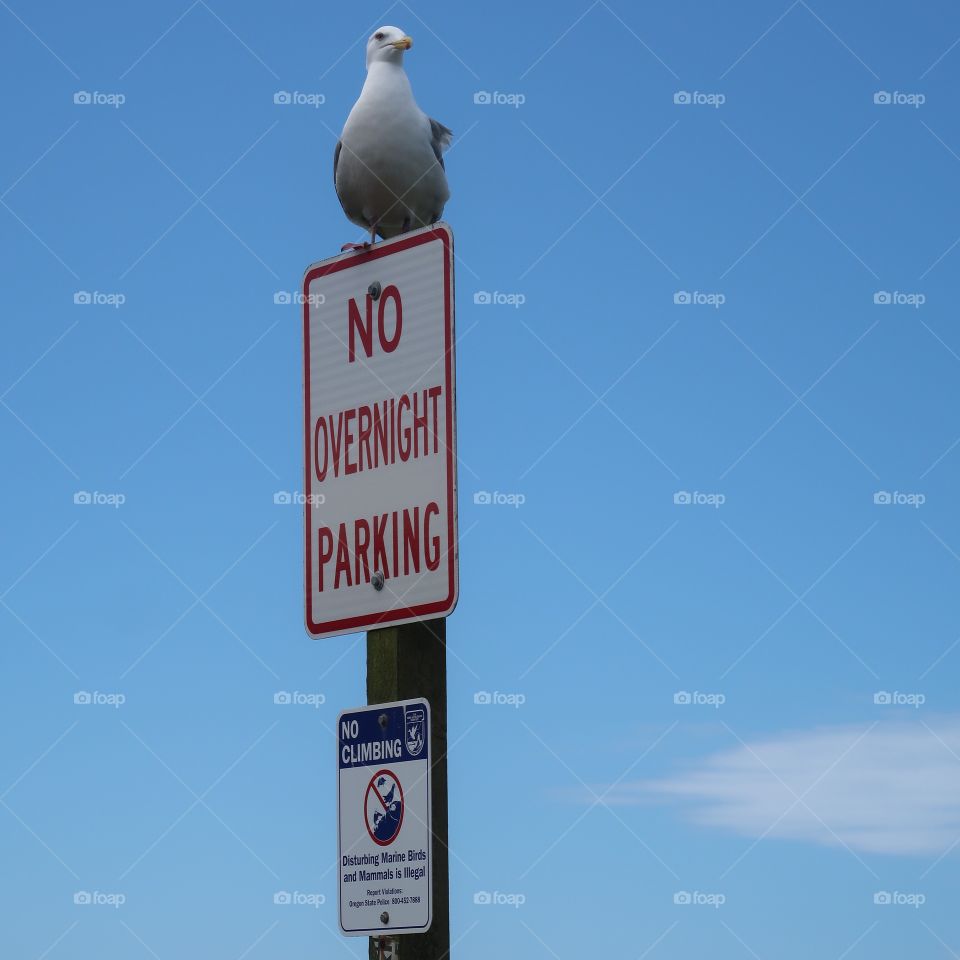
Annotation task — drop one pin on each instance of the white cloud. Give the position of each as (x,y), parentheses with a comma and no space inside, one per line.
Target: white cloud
(893,788)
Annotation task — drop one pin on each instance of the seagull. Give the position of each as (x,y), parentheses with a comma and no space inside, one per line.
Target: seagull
(388,167)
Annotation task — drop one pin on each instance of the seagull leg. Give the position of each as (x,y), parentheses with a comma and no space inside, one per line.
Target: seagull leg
(366,245)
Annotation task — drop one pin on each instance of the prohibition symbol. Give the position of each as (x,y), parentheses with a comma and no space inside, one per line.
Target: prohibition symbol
(383,807)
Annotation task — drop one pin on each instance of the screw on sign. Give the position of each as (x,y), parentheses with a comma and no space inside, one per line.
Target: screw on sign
(383,805)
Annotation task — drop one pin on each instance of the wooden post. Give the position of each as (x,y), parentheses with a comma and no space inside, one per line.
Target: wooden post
(402,663)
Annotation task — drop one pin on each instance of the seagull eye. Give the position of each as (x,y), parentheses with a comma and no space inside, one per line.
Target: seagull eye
(378,36)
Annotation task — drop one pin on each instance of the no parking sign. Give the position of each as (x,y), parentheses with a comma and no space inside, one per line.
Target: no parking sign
(380,481)
(384,816)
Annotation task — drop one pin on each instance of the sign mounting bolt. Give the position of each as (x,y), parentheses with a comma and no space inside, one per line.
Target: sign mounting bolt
(383,720)
(374,290)
(377,580)
(384,917)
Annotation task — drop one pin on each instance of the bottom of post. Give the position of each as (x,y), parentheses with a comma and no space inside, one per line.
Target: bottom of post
(402,663)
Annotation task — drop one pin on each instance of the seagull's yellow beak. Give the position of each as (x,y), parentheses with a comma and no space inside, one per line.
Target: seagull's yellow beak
(403,44)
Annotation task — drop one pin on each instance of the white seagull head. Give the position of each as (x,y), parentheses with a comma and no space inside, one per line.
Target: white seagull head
(387,45)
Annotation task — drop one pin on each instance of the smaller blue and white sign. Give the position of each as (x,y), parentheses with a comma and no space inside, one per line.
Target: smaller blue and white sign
(384,819)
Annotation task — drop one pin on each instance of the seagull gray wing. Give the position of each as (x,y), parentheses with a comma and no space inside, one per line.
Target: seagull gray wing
(353,212)
(440,139)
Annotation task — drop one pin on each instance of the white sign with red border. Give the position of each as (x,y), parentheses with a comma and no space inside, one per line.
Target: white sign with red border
(380,479)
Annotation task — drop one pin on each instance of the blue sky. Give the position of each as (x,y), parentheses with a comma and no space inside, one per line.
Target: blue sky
(744,300)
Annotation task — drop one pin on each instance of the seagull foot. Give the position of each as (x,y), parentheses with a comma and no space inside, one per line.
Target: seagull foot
(356,246)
